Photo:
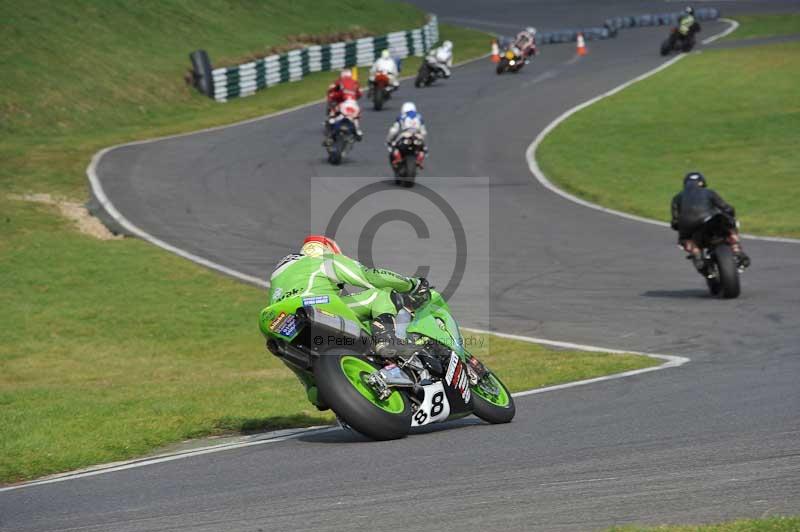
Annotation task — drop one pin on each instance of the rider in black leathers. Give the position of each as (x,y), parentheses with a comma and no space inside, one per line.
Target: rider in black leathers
(695,205)
(688,26)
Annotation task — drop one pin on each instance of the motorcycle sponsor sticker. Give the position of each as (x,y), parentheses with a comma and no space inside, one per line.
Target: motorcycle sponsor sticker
(456,376)
(316,300)
(289,326)
(433,408)
(284,324)
(277,322)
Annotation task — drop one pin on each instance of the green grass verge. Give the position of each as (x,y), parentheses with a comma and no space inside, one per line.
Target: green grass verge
(760,26)
(732,114)
(111,349)
(770,524)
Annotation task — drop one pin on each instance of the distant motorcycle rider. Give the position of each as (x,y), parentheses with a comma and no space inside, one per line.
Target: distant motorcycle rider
(441,58)
(687,24)
(345,91)
(345,87)
(347,110)
(695,205)
(386,65)
(320,269)
(409,121)
(525,41)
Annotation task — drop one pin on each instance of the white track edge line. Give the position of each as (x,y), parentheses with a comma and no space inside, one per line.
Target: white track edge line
(733,27)
(670,362)
(533,165)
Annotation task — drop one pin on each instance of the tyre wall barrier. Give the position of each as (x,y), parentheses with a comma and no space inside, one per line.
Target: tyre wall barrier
(246,79)
(662,19)
(614,24)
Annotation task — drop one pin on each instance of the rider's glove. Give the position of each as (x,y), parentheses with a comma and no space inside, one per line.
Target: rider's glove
(389,148)
(421,293)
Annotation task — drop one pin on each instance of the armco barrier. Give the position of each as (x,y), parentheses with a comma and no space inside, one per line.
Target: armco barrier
(246,79)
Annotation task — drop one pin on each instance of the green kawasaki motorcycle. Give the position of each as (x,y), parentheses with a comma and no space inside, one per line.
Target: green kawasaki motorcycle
(330,350)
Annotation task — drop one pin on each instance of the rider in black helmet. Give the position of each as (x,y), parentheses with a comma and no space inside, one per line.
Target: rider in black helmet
(692,207)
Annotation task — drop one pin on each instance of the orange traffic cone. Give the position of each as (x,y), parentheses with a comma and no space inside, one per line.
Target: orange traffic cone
(495,52)
(581,45)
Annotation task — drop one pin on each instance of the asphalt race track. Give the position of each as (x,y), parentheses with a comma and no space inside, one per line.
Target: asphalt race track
(718,438)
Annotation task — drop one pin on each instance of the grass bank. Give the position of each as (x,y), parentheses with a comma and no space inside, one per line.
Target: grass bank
(110,349)
(770,524)
(732,114)
(762,26)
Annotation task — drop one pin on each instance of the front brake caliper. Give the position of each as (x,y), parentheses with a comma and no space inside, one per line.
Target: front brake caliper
(377,382)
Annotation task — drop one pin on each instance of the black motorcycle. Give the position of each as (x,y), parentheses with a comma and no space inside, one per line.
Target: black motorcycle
(721,266)
(405,157)
(429,71)
(678,42)
(510,61)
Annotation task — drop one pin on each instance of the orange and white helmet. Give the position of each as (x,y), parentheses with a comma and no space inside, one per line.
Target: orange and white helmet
(318,245)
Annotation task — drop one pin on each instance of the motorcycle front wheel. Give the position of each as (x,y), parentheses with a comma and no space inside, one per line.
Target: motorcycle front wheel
(341,376)
(491,400)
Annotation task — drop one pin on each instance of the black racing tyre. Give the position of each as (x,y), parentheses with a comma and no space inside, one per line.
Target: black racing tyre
(378,98)
(666,46)
(492,408)
(335,153)
(728,273)
(422,75)
(410,172)
(340,376)
(502,65)
(399,170)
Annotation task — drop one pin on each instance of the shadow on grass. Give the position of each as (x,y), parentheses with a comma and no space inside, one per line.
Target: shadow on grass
(244,425)
(677,294)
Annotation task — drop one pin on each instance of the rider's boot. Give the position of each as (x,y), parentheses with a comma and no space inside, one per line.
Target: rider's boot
(387,344)
(742,258)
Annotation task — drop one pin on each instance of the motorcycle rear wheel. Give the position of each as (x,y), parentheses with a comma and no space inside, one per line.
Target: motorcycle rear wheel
(728,273)
(422,75)
(378,98)
(341,375)
(410,173)
(493,408)
(335,151)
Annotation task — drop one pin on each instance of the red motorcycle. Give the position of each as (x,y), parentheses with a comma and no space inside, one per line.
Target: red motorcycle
(380,90)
